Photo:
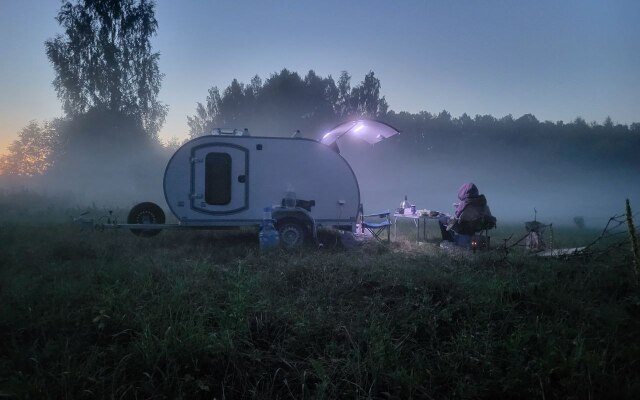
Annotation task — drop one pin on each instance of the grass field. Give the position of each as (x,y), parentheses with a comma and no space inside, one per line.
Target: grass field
(90,314)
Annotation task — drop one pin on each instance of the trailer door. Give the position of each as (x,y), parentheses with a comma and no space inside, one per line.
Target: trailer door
(219,180)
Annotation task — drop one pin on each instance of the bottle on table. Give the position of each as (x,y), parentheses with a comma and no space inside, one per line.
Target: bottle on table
(405,204)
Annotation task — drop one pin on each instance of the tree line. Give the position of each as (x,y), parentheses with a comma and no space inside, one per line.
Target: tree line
(286,102)
(522,139)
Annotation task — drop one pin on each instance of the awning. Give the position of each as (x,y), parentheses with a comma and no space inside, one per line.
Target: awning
(368,130)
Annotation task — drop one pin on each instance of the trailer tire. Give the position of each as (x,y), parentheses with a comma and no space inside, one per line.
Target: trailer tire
(292,233)
(146,213)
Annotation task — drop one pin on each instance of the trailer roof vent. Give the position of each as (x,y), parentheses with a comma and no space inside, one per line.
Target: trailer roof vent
(229,132)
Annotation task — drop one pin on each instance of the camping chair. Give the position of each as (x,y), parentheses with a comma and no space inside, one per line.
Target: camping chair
(481,239)
(376,228)
(474,234)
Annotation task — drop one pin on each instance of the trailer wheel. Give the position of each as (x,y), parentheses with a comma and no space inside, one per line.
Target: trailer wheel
(291,233)
(146,213)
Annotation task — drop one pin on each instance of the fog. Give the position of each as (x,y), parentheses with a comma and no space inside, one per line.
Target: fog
(117,181)
(514,181)
(559,191)
(104,180)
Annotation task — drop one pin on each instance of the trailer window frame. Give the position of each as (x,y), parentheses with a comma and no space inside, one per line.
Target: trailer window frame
(217,178)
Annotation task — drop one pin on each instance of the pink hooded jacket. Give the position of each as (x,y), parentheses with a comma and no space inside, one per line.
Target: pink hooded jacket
(466,193)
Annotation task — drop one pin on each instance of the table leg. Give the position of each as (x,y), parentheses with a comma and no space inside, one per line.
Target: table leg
(424,229)
(395,228)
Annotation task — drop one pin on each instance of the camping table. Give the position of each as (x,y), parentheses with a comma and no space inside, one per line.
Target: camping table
(416,221)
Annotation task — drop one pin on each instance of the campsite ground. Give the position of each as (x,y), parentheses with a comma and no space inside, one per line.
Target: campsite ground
(89,314)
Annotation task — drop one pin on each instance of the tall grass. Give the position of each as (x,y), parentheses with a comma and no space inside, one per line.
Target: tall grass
(86,314)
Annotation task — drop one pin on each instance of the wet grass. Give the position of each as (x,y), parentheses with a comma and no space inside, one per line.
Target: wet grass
(87,314)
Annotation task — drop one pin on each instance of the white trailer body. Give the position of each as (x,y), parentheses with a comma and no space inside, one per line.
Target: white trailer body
(227,180)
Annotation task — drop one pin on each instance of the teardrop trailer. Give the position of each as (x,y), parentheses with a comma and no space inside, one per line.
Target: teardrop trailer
(227,179)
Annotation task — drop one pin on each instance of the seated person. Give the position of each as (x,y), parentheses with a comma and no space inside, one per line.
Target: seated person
(472,214)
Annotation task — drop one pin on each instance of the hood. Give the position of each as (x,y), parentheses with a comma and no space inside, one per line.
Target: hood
(468,190)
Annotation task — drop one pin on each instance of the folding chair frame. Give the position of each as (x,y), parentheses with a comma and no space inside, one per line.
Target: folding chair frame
(485,240)
(376,229)
(483,234)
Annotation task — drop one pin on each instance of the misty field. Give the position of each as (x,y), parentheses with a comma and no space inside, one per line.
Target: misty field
(198,314)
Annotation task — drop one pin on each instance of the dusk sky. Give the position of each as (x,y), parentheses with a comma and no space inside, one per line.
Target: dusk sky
(554,59)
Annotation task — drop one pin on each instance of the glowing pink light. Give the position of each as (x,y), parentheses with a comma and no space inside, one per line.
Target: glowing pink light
(358,128)
(326,135)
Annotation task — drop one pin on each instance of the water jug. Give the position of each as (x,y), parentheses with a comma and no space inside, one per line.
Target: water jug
(268,236)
